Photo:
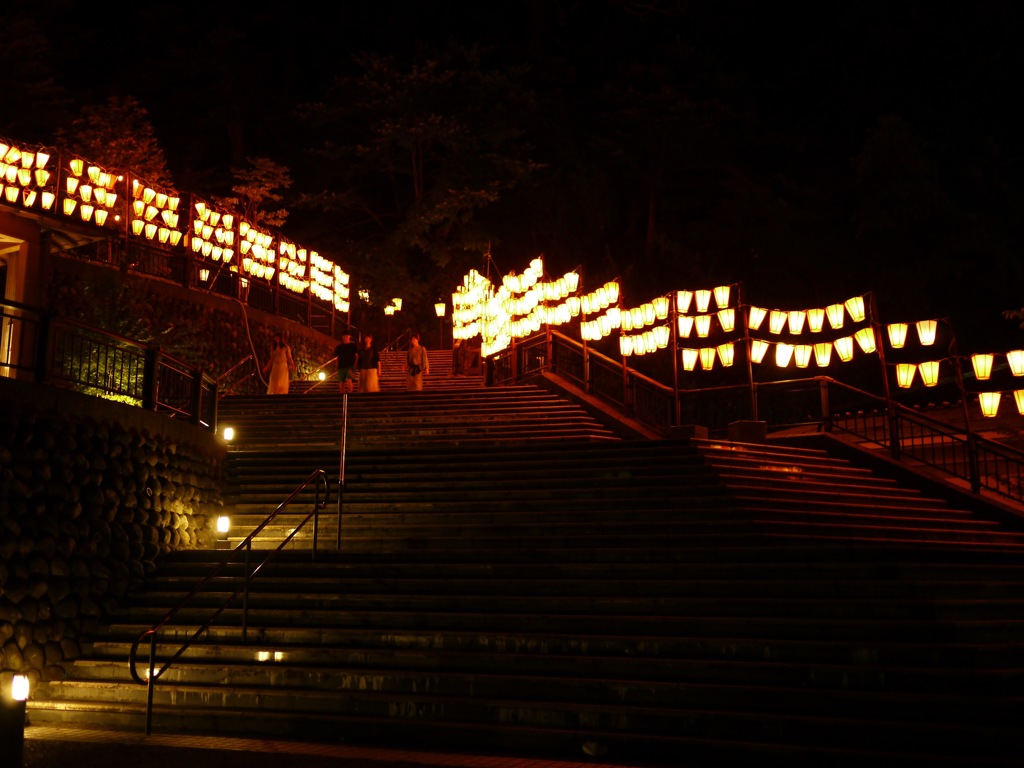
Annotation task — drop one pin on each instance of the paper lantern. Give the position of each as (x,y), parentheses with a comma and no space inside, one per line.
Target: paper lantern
(866,339)
(855,306)
(796,321)
(777,321)
(929,372)
(707,358)
(802,355)
(726,354)
(835,313)
(844,348)
(756,317)
(703,299)
(897,335)
(783,354)
(703,325)
(823,354)
(989,402)
(685,323)
(905,374)
(926,332)
(1016,360)
(815,319)
(982,364)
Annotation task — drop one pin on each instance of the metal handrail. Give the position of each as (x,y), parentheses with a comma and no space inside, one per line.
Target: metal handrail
(319,477)
(232,369)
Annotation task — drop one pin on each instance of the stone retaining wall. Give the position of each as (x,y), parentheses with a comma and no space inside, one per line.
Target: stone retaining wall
(91,494)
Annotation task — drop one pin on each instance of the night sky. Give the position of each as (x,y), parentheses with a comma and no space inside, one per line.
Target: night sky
(816,79)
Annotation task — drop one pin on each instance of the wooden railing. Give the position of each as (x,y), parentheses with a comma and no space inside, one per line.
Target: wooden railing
(817,401)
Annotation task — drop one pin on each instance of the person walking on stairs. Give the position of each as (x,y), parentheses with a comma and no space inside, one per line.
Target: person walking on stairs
(346,353)
(281,367)
(368,362)
(417,364)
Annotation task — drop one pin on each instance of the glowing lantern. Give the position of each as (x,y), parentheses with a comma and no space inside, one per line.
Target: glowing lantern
(689,359)
(777,321)
(783,354)
(625,345)
(982,366)
(905,374)
(19,688)
(855,306)
(727,319)
(823,354)
(835,315)
(703,298)
(815,319)
(897,335)
(929,373)
(989,403)
(703,324)
(844,348)
(926,332)
(756,317)
(683,299)
(796,321)
(802,355)
(1016,360)
(707,358)
(722,296)
(661,307)
(726,354)
(866,339)
(758,349)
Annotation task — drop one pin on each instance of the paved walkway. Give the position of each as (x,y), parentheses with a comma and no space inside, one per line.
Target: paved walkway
(52,747)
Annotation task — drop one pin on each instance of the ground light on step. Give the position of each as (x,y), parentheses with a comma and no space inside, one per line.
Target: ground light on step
(223,526)
(12,722)
(228,434)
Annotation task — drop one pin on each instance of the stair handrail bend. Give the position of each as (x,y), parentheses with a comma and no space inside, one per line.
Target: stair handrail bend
(319,477)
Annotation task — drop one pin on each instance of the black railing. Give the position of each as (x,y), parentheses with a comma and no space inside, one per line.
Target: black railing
(66,353)
(243,551)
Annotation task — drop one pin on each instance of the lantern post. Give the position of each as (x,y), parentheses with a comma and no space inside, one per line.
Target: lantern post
(439,309)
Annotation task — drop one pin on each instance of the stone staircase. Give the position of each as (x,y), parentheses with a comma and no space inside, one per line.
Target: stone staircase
(676,602)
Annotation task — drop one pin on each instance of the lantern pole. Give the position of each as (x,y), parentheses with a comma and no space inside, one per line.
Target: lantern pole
(876,329)
(673,318)
(972,448)
(583,336)
(744,317)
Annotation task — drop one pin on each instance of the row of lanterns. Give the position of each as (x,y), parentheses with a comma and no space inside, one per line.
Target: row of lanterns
(90,193)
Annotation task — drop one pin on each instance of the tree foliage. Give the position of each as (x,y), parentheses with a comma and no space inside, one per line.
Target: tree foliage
(119,135)
(256,192)
(411,156)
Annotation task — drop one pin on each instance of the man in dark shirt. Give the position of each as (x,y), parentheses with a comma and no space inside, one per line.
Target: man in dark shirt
(346,352)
